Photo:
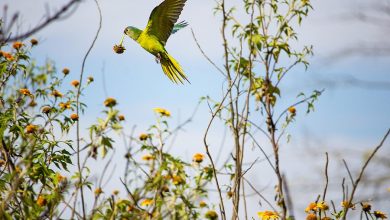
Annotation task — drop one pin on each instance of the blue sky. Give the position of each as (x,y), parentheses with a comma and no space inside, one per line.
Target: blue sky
(346,117)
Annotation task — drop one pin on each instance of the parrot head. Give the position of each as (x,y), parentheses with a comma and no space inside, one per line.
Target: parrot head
(132,32)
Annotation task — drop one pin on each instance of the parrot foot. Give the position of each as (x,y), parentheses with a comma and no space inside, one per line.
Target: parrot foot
(158,58)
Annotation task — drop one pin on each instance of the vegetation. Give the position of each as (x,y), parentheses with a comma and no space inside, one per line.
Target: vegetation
(37,113)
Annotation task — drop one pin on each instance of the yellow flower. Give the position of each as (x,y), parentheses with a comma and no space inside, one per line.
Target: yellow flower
(311,217)
(31,128)
(198,158)
(115,192)
(292,110)
(322,206)
(110,102)
(148,157)
(17,45)
(268,215)
(25,92)
(34,41)
(162,112)
(64,105)
(211,214)
(74,117)
(75,83)
(143,137)
(65,71)
(202,204)
(177,180)
(346,204)
(98,191)
(147,202)
(41,201)
(379,214)
(60,178)
(56,93)
(7,56)
(311,207)
(326,218)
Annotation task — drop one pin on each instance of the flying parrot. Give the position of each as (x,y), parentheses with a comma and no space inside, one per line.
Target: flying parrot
(153,38)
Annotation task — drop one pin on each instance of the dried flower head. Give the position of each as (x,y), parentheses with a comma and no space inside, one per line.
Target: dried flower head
(65,71)
(162,112)
(119,49)
(57,94)
(110,102)
(143,137)
(268,215)
(211,214)
(366,207)
(202,204)
(75,83)
(90,79)
(46,109)
(34,42)
(121,117)
(115,192)
(17,45)
(380,214)
(198,157)
(2,162)
(32,103)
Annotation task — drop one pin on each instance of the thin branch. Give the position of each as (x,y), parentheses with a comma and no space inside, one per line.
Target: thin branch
(80,169)
(356,183)
(4,38)
(326,176)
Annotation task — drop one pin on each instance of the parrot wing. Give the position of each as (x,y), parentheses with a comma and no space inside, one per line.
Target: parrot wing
(163,18)
(179,26)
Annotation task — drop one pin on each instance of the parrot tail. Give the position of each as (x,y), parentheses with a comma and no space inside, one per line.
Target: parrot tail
(172,69)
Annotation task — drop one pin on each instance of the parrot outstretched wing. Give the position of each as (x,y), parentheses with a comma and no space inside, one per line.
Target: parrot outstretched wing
(179,26)
(163,18)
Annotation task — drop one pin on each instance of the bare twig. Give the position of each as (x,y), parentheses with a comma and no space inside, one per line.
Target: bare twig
(326,176)
(5,36)
(80,169)
(356,183)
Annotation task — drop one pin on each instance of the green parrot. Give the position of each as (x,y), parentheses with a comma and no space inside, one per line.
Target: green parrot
(153,38)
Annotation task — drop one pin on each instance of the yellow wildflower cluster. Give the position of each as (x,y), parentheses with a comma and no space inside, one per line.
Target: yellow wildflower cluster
(146,202)
(268,215)
(162,112)
(198,157)
(319,206)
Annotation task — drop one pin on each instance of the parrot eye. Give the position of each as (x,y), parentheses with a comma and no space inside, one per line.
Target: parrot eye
(125,30)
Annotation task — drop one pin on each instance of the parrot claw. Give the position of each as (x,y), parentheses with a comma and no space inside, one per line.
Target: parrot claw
(158,58)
